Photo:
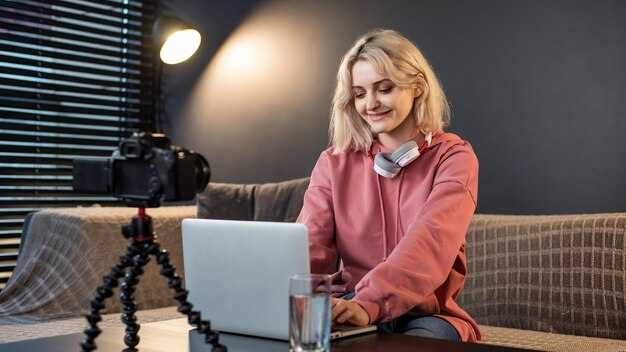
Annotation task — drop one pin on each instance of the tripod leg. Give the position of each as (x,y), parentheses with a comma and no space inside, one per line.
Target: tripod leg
(127,289)
(103,292)
(193,317)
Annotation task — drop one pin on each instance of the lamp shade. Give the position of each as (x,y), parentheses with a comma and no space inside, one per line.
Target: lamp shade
(175,39)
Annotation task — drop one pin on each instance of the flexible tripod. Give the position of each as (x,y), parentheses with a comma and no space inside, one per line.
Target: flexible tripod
(143,243)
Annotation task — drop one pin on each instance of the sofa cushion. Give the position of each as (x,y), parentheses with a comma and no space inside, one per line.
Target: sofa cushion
(543,341)
(226,201)
(279,201)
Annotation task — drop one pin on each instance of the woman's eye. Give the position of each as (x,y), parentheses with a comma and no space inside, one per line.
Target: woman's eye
(385,90)
(359,95)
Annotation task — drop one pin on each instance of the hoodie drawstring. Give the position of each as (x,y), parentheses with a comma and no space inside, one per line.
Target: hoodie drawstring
(382,215)
(383,218)
(399,217)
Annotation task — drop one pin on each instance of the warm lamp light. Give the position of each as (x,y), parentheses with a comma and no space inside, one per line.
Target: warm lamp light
(176,39)
(180,46)
(175,42)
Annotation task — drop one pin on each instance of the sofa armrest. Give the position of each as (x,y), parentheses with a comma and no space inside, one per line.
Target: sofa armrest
(67,251)
(553,273)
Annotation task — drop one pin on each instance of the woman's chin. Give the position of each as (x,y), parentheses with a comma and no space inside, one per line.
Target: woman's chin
(379,126)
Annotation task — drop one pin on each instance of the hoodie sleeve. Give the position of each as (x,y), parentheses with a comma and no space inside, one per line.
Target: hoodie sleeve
(424,257)
(318,216)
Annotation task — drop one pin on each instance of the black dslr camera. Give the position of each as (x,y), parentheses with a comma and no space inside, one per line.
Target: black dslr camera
(144,171)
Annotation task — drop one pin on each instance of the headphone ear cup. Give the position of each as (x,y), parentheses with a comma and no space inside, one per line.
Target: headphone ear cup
(405,153)
(384,166)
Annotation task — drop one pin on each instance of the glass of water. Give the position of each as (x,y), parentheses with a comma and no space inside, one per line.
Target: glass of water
(309,312)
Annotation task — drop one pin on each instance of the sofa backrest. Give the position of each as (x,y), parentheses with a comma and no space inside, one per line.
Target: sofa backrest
(279,201)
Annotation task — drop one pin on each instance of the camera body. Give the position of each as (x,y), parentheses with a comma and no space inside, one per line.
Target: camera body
(145,170)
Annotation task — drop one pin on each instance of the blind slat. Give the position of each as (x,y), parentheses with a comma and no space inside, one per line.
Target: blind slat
(7,256)
(123,123)
(103,102)
(58,98)
(50,33)
(53,11)
(61,160)
(78,150)
(77,47)
(50,106)
(144,6)
(15,223)
(41,192)
(7,267)
(15,212)
(107,75)
(111,11)
(65,129)
(47,21)
(41,202)
(86,140)
(118,93)
(9,245)
(33,171)
(120,63)
(30,180)
(35,73)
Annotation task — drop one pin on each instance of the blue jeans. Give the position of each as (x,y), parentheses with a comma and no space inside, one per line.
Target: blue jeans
(427,326)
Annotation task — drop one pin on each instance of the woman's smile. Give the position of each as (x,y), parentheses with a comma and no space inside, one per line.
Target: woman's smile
(378,115)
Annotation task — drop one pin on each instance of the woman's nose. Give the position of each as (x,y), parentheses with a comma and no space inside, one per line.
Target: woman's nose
(372,102)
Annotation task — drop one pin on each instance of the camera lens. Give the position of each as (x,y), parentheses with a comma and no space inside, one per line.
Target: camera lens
(203,172)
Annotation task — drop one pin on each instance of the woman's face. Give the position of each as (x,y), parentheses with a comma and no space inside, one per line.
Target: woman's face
(383,105)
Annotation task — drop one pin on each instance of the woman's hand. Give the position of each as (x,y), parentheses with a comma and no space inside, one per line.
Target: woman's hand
(347,312)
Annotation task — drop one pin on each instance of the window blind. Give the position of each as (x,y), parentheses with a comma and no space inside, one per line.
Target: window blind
(76,76)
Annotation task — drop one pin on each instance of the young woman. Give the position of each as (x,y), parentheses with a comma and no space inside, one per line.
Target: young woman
(393,195)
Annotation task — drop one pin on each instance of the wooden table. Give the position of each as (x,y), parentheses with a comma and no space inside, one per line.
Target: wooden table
(177,335)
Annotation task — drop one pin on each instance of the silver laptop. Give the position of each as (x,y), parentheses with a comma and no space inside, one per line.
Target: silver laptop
(237,274)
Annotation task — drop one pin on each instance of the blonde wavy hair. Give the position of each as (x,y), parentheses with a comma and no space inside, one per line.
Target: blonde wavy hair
(394,55)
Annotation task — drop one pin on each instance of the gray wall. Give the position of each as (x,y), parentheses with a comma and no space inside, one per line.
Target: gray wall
(537,87)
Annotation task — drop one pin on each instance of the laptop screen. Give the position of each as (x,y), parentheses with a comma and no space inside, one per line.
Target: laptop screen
(237,273)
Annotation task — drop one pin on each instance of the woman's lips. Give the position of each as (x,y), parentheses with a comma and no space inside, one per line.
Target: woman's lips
(378,115)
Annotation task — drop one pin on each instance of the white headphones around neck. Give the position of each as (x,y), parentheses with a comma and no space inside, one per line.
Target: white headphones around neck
(389,165)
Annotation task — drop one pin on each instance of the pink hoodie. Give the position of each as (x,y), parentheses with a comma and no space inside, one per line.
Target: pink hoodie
(401,240)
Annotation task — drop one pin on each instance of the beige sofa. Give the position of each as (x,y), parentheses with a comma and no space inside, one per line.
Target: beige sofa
(546,282)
